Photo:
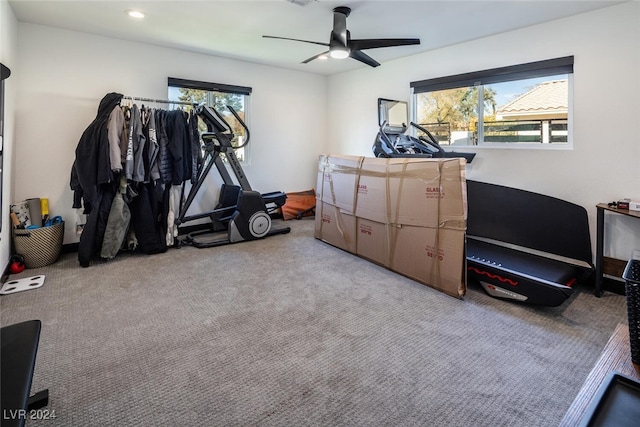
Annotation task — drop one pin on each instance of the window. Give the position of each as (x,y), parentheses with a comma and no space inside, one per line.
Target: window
(219,97)
(527,105)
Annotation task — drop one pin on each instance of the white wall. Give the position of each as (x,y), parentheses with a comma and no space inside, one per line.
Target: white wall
(9,57)
(65,74)
(603,166)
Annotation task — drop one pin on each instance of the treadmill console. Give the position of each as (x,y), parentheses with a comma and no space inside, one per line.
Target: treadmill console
(395,114)
(392,141)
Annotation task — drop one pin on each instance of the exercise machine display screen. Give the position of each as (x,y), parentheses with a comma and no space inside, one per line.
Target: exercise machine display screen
(394,113)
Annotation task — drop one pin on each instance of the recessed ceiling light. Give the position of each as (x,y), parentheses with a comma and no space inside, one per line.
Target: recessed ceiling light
(301,2)
(135,14)
(323,57)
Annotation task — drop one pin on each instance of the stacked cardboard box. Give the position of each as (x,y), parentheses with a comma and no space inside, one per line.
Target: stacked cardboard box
(408,215)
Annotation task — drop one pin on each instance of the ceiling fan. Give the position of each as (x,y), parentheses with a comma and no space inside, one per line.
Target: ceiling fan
(341,45)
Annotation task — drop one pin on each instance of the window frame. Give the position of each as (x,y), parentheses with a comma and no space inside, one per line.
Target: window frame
(544,68)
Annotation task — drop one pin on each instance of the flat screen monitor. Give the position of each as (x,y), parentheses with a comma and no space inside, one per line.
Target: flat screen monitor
(395,113)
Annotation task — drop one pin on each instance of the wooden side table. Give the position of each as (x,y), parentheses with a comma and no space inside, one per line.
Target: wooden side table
(602,208)
(616,357)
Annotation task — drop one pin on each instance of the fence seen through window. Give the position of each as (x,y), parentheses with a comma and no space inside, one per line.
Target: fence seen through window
(523,105)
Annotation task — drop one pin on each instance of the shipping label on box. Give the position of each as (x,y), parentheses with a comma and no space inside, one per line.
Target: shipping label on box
(373,241)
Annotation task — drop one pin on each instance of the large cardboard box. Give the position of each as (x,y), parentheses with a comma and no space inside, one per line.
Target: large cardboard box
(408,215)
(335,226)
(373,241)
(434,256)
(337,181)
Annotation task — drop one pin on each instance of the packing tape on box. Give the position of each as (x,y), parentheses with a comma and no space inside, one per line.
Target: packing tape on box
(420,174)
(356,187)
(435,272)
(392,235)
(327,170)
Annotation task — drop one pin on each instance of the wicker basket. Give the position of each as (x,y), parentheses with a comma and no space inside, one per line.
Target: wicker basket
(39,246)
(631,277)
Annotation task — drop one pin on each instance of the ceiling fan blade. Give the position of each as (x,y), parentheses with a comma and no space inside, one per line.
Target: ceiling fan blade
(295,40)
(375,43)
(363,57)
(315,57)
(340,43)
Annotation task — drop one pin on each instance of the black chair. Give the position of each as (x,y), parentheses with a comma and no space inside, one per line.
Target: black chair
(18,361)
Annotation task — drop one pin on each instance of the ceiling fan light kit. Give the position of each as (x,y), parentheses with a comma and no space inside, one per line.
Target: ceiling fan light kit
(341,45)
(339,53)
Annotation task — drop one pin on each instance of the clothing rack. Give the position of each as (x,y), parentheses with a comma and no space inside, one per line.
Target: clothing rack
(157,101)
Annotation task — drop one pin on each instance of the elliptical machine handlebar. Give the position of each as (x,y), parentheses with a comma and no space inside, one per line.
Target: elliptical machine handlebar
(432,141)
(244,126)
(216,124)
(386,138)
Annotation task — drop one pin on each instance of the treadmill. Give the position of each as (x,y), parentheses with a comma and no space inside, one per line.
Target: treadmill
(392,140)
(524,246)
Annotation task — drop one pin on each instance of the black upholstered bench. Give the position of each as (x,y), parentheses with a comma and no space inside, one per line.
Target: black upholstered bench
(18,360)
(526,246)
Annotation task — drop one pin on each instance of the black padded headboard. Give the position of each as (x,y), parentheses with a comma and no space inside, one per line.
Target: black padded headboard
(528,219)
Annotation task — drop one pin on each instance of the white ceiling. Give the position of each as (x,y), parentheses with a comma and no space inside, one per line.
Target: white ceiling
(234,29)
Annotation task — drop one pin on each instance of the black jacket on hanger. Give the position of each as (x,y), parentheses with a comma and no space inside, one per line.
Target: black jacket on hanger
(92,166)
(91,175)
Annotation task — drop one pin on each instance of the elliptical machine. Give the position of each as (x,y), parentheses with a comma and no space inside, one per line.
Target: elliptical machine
(241,214)
(391,140)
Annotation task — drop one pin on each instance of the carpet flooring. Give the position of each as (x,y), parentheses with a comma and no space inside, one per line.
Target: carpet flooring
(290,331)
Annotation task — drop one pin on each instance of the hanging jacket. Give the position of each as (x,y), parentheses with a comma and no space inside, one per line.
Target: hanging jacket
(176,132)
(146,220)
(153,148)
(196,152)
(92,178)
(115,133)
(134,165)
(187,157)
(92,165)
(124,142)
(117,224)
(165,165)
